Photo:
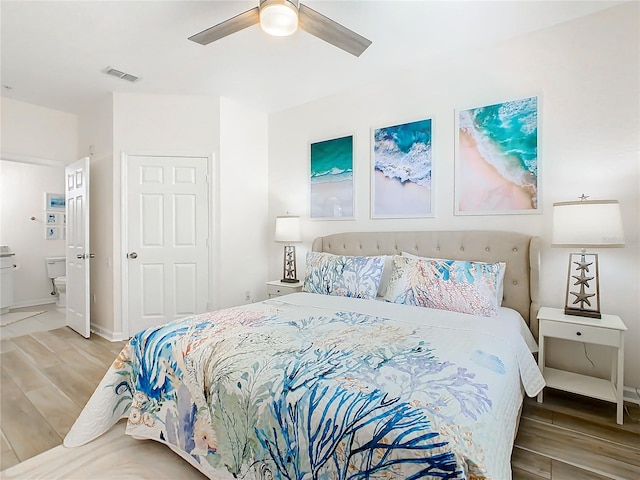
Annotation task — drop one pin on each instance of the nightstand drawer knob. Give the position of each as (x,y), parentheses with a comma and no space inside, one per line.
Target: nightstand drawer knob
(578,333)
(278,291)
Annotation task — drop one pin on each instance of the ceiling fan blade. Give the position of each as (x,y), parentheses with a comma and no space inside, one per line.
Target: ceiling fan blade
(332,32)
(233,25)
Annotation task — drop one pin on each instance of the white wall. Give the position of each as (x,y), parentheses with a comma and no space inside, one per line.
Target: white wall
(33,132)
(243,204)
(36,143)
(236,137)
(95,140)
(159,124)
(586,74)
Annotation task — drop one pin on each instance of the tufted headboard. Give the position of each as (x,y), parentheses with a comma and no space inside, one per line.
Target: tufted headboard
(521,253)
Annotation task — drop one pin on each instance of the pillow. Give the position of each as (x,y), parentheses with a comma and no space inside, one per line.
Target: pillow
(386,275)
(500,293)
(455,285)
(342,275)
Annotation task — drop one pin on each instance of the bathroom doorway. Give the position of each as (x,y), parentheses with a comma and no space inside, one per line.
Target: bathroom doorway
(23,226)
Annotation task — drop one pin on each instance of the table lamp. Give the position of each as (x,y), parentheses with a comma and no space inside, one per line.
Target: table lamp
(288,231)
(585,223)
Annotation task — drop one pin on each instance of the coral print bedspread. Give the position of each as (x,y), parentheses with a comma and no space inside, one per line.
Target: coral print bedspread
(317,387)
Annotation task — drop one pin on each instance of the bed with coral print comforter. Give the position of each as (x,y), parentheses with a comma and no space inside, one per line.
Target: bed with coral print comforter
(310,386)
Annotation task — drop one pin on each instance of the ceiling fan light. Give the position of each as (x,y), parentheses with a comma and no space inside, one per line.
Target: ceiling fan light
(279,19)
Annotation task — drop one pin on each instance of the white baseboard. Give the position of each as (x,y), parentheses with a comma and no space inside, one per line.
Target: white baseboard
(108,334)
(630,394)
(33,303)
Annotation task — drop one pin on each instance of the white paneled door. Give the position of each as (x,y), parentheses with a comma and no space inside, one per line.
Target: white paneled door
(78,253)
(167,254)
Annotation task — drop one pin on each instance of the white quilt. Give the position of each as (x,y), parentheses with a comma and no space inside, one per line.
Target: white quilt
(312,386)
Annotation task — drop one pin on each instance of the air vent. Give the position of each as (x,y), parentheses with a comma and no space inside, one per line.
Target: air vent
(119,74)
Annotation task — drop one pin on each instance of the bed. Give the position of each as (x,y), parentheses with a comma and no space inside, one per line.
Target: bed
(327,386)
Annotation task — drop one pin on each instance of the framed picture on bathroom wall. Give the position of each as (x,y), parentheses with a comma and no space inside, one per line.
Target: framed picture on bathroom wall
(52,233)
(54,201)
(53,218)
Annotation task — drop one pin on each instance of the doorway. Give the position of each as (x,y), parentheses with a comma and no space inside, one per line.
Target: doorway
(23,226)
(166,238)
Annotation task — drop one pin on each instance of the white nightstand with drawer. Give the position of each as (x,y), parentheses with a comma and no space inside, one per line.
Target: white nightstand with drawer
(278,288)
(608,330)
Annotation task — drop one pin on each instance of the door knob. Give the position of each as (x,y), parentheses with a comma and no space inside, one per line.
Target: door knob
(133,255)
(91,255)
(80,256)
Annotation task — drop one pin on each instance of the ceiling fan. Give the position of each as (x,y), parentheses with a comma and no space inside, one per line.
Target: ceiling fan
(283,17)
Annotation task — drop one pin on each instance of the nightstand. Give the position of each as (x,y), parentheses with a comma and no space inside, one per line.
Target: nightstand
(278,288)
(608,330)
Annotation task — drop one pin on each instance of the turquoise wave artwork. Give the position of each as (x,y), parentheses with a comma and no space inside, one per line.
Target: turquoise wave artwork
(332,178)
(402,170)
(497,161)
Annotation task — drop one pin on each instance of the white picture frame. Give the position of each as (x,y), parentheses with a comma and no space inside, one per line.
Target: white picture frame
(54,201)
(52,218)
(52,233)
(331,178)
(497,158)
(401,170)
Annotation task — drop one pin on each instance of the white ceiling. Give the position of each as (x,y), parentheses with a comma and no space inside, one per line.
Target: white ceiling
(53,52)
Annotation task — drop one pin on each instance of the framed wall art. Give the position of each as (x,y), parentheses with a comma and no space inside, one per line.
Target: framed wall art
(54,201)
(496,159)
(53,218)
(331,177)
(401,171)
(52,233)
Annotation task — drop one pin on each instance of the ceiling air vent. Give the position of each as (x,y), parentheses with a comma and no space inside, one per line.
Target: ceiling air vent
(119,74)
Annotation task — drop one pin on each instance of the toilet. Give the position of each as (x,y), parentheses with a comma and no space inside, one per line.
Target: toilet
(56,270)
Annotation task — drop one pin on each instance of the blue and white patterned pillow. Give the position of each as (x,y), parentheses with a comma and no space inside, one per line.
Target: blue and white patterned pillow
(455,285)
(342,275)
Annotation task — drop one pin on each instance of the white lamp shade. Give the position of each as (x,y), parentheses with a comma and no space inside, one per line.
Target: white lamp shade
(595,223)
(288,229)
(278,17)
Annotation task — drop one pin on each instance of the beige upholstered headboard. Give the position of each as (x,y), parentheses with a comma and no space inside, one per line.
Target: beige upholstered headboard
(521,253)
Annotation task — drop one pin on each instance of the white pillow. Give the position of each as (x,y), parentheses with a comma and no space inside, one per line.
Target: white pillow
(386,275)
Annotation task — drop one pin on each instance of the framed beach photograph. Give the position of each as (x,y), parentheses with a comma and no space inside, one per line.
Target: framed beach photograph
(54,201)
(331,176)
(401,170)
(496,159)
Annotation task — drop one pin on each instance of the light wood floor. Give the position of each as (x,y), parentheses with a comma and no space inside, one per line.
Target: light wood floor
(572,437)
(47,377)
